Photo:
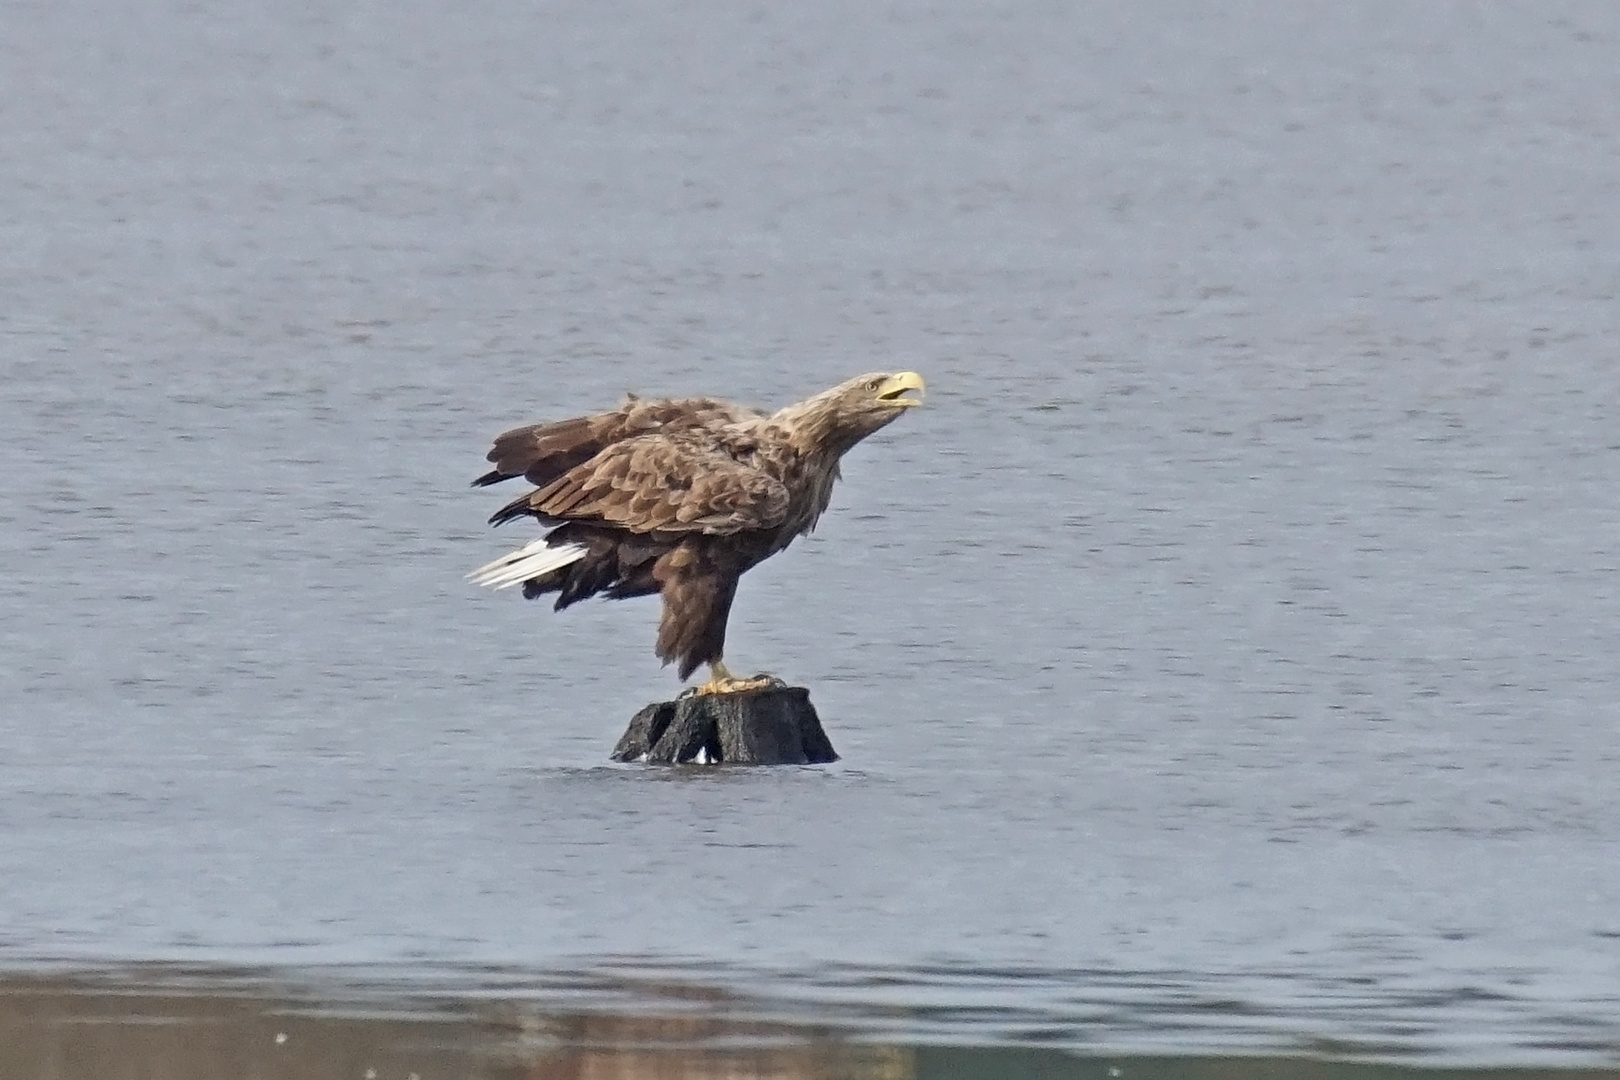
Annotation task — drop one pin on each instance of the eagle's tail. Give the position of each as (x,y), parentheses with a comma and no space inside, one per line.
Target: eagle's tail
(526,563)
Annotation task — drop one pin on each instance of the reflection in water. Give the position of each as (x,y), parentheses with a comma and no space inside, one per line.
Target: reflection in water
(57,1028)
(674,1048)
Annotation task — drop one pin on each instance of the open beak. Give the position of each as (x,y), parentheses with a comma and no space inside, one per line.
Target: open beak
(894,388)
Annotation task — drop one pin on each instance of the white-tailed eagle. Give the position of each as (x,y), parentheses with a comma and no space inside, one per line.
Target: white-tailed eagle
(679,497)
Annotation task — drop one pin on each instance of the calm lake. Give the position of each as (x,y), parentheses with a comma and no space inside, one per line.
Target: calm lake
(1223,661)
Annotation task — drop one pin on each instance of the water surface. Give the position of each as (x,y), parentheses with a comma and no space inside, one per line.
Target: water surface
(1222,662)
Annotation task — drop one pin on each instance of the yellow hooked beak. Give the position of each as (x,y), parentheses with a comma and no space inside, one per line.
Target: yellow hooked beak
(892,392)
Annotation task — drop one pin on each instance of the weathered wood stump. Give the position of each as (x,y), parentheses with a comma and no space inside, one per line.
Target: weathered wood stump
(773,726)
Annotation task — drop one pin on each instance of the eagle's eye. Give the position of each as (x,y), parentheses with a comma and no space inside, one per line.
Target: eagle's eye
(874,384)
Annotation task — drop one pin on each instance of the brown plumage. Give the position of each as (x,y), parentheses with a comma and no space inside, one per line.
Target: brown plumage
(679,497)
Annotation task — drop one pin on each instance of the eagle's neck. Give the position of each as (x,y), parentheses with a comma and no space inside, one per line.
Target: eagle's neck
(813,493)
(812,428)
(810,434)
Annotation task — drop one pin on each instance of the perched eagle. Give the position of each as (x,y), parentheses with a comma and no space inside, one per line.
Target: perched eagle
(679,497)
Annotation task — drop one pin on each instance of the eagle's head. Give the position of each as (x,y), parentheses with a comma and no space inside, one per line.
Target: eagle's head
(839,418)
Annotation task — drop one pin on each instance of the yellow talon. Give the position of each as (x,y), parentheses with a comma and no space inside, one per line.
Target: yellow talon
(722,681)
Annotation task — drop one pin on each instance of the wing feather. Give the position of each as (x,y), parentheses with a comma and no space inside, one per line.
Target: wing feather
(543,452)
(688,482)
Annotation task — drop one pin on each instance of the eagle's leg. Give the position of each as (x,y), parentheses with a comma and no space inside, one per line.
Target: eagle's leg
(722,681)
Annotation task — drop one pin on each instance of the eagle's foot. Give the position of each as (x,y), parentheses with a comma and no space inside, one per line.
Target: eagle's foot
(722,681)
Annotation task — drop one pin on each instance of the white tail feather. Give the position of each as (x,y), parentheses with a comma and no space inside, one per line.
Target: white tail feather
(527,562)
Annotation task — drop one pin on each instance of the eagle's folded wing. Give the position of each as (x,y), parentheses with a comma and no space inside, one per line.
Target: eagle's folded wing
(543,452)
(666,483)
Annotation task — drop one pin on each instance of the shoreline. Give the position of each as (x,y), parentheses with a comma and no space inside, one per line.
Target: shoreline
(180,1022)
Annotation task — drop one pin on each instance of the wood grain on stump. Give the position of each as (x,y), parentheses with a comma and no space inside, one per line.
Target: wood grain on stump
(775,726)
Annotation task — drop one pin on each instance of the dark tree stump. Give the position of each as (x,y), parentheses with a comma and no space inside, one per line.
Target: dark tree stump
(774,726)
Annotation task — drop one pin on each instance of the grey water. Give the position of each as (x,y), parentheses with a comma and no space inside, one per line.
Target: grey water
(1223,661)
